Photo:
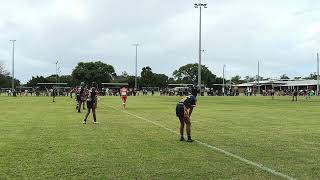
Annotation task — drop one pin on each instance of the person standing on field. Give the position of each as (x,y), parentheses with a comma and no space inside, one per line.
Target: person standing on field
(272,93)
(54,93)
(92,103)
(295,95)
(80,96)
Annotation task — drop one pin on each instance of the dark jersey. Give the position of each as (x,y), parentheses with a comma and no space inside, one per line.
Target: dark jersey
(54,92)
(184,107)
(81,91)
(188,101)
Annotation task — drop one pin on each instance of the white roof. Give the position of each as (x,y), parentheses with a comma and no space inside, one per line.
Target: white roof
(280,83)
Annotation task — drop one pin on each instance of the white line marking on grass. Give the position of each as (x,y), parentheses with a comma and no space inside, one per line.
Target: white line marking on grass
(260,166)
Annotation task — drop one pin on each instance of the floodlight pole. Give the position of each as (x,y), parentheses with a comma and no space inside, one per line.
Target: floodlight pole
(317,74)
(136,65)
(57,71)
(12,63)
(258,78)
(199,5)
(223,78)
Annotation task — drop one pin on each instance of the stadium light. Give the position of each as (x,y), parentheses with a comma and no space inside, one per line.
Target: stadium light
(57,71)
(258,78)
(136,64)
(317,74)
(13,41)
(199,5)
(223,69)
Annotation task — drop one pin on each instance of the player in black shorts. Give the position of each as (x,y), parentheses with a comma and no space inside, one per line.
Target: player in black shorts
(80,95)
(183,112)
(92,103)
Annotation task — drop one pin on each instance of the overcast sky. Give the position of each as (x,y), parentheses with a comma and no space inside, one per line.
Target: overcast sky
(284,35)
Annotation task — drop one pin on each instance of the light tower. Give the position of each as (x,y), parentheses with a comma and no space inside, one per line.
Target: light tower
(13,41)
(199,5)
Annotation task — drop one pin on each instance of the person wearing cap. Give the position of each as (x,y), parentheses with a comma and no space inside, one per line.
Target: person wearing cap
(92,103)
(183,112)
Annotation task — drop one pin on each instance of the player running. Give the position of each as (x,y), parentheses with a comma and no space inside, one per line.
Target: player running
(183,112)
(92,103)
(123,95)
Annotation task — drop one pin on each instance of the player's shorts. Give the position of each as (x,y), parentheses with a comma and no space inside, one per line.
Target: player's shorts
(124,98)
(180,110)
(272,94)
(90,104)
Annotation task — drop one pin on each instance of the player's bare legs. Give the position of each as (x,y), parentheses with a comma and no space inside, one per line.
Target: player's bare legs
(85,119)
(79,107)
(124,104)
(188,129)
(181,129)
(83,105)
(94,113)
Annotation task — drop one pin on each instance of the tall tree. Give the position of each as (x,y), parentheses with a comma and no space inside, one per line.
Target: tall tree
(160,80)
(3,69)
(147,77)
(93,71)
(67,79)
(237,79)
(189,74)
(5,79)
(35,80)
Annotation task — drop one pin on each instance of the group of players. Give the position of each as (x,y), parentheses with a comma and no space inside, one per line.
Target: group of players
(88,96)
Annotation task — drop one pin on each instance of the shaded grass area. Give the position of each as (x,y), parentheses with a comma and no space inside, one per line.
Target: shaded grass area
(44,140)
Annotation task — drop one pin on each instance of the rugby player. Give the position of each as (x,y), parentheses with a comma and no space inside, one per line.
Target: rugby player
(91,103)
(54,91)
(123,95)
(272,93)
(80,96)
(183,112)
(295,95)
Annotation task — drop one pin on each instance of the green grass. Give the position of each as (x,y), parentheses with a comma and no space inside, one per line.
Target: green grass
(44,140)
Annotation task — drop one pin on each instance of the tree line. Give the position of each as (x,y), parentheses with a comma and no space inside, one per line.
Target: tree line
(5,78)
(100,72)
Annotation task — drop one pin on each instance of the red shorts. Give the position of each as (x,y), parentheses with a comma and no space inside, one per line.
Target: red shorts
(124,98)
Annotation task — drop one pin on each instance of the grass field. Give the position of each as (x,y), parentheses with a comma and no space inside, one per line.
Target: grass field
(44,140)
